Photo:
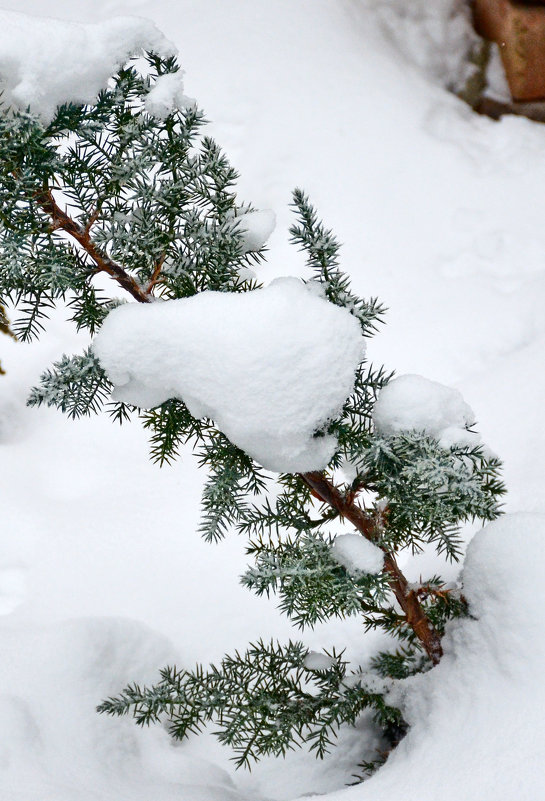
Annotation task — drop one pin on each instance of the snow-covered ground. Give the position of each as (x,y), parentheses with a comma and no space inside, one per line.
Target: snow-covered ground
(102,576)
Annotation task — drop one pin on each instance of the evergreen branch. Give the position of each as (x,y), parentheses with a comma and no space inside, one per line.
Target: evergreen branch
(311,584)
(263,701)
(156,273)
(371,527)
(76,385)
(323,259)
(61,220)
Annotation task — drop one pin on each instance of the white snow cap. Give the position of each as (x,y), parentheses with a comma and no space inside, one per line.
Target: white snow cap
(167,95)
(315,660)
(412,402)
(357,554)
(270,366)
(46,62)
(256,227)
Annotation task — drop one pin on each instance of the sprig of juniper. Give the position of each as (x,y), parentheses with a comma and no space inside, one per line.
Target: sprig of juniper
(263,701)
(109,190)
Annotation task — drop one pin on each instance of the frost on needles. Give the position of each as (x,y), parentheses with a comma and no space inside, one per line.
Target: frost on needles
(114,204)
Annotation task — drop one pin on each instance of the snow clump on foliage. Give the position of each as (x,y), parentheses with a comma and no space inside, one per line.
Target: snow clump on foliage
(45,63)
(256,227)
(414,403)
(270,367)
(315,660)
(357,554)
(167,95)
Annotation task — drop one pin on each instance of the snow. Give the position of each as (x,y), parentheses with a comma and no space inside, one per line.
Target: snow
(436,38)
(314,660)
(45,63)
(56,732)
(256,227)
(357,554)
(412,402)
(270,366)
(477,723)
(497,88)
(167,95)
(440,213)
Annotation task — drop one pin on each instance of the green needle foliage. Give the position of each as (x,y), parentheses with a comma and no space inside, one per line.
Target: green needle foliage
(107,200)
(265,700)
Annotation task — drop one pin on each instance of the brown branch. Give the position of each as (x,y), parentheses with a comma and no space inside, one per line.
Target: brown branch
(156,273)
(370,527)
(92,220)
(62,221)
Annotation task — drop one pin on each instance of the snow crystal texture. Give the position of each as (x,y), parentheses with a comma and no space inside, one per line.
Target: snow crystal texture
(411,402)
(270,366)
(45,62)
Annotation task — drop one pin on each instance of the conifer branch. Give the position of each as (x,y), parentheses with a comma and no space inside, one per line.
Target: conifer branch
(368,526)
(62,221)
(162,209)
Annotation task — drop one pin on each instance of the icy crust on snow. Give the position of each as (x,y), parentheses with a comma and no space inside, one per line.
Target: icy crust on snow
(47,62)
(477,724)
(357,554)
(414,403)
(270,366)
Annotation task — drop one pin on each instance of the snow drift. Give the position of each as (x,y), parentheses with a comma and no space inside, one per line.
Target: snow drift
(478,715)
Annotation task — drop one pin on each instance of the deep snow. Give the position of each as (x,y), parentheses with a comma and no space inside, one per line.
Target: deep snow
(441,215)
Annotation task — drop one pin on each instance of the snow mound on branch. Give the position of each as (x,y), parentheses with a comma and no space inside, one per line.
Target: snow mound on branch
(412,402)
(357,554)
(256,227)
(478,715)
(315,660)
(167,95)
(47,62)
(270,366)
